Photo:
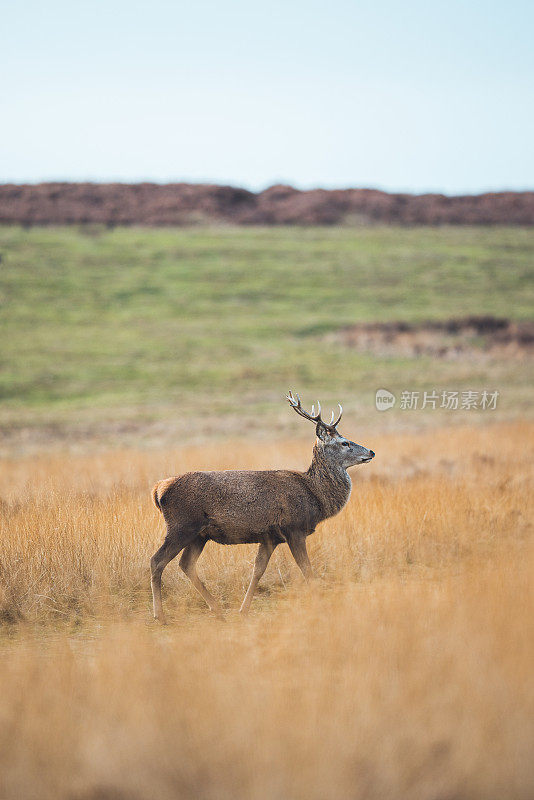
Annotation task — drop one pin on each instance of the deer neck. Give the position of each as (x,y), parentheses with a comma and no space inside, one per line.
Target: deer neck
(329,482)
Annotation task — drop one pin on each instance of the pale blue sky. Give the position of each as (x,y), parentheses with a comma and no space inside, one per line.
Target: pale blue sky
(409,96)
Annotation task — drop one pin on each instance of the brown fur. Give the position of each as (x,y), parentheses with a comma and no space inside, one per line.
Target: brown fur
(265,507)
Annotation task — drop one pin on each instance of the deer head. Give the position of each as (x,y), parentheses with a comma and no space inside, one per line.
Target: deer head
(335,448)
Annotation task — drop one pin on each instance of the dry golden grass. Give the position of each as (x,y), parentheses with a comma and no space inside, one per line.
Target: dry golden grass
(405,671)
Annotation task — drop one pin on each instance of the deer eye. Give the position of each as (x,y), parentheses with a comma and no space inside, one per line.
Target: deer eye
(345,444)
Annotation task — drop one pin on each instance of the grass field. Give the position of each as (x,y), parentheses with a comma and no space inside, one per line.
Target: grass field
(135,326)
(405,671)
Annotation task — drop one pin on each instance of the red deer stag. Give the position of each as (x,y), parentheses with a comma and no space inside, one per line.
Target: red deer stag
(265,507)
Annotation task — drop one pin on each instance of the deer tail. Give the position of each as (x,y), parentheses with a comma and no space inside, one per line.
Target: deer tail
(155,497)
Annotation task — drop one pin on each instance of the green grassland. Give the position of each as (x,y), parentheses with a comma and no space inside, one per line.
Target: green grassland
(140,324)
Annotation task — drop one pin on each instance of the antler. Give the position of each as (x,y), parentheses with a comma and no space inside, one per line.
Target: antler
(294,402)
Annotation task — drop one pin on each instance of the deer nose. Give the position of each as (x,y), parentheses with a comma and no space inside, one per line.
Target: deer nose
(372,453)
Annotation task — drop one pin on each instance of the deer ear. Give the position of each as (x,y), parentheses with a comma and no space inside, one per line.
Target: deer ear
(322,432)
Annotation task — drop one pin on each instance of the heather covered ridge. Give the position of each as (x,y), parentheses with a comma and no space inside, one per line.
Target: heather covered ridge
(186,204)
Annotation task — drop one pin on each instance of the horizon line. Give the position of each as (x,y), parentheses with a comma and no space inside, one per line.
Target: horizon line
(258,191)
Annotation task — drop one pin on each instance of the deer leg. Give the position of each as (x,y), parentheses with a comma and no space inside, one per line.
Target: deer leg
(188,561)
(264,553)
(297,545)
(169,549)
